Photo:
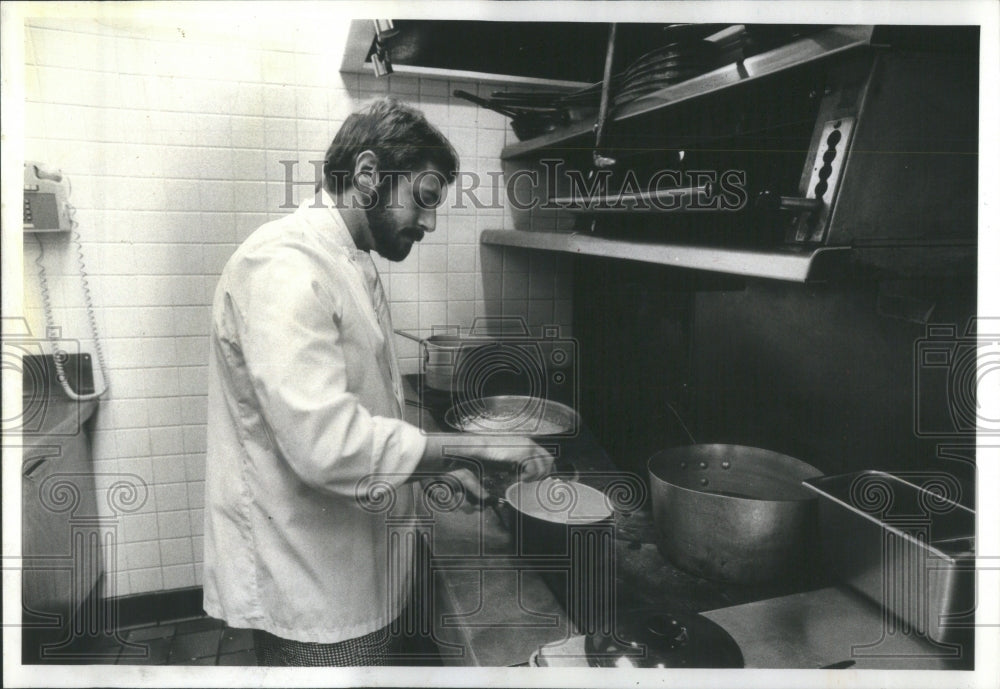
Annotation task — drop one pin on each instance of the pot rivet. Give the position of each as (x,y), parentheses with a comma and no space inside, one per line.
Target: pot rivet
(684,465)
(726,464)
(703,465)
(704,482)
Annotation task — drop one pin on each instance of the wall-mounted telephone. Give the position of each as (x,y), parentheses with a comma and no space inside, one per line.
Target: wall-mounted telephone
(47,209)
(46,200)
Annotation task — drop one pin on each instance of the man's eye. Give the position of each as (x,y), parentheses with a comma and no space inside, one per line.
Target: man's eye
(429,199)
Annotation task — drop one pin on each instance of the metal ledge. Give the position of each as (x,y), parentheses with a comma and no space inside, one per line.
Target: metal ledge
(790,264)
(359,41)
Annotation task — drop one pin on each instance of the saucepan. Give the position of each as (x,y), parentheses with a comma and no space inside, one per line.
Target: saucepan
(734,513)
(568,527)
(496,356)
(440,354)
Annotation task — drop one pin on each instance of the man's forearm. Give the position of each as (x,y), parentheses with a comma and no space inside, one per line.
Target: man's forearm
(433,459)
(517,451)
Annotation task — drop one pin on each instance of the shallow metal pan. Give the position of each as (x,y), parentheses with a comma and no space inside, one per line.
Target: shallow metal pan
(512,415)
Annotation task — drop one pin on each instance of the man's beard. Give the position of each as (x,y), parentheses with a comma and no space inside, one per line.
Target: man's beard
(390,243)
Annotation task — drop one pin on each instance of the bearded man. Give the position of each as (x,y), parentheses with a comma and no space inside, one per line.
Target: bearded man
(305,407)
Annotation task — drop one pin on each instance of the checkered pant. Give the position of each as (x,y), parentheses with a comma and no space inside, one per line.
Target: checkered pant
(376,648)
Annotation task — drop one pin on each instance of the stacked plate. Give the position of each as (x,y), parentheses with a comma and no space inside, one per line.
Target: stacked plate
(687,56)
(688,50)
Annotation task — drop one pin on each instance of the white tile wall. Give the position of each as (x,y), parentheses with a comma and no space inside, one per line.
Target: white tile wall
(172,144)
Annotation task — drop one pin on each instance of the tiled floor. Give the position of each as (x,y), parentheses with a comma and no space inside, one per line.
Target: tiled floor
(198,641)
(190,641)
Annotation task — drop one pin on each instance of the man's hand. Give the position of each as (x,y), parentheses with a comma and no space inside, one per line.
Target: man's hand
(521,454)
(531,461)
(475,494)
(517,454)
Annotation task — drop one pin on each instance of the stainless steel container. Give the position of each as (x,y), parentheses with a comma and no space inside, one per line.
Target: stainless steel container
(497,356)
(904,541)
(440,354)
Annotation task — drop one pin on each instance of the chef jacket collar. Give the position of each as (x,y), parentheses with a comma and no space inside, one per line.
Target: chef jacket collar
(331,224)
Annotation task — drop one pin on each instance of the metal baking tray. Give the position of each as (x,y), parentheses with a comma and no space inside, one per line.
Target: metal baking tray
(905,541)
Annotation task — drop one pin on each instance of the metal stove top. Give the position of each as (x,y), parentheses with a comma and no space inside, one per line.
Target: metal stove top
(815,629)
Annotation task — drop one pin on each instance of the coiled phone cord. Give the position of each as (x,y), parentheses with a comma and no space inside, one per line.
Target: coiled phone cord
(59,356)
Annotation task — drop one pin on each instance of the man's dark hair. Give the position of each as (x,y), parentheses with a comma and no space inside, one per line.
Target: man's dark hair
(400,137)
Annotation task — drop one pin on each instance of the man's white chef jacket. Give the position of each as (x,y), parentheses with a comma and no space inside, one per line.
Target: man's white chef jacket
(304,401)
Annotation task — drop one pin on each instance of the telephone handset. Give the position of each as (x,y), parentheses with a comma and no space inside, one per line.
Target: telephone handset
(47,209)
(46,200)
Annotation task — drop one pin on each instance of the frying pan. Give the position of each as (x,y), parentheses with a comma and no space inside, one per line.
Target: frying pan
(527,120)
(512,415)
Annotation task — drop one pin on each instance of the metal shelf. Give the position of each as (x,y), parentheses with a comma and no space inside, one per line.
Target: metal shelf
(832,41)
(791,264)
(359,40)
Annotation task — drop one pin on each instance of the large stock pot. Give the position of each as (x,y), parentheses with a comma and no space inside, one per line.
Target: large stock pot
(734,513)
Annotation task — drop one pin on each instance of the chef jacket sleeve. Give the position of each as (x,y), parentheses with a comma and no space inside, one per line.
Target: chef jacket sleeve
(288,324)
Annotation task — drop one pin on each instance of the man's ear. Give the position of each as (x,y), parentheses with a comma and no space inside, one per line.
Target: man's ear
(366,171)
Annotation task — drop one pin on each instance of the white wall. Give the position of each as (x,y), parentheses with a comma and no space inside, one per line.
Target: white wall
(171,134)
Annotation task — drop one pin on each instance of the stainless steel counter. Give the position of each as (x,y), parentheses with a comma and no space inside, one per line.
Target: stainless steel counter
(817,628)
(805,631)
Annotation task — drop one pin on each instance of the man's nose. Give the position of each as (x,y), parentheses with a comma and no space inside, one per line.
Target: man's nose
(428,219)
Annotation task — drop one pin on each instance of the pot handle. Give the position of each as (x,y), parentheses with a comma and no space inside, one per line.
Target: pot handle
(409,336)
(419,340)
(681,422)
(436,330)
(494,502)
(503,509)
